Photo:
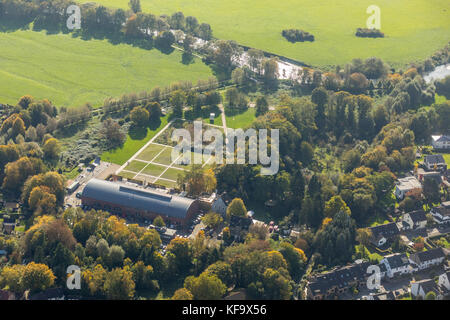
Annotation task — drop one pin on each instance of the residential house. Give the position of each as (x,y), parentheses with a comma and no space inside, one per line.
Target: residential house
(396,264)
(426,259)
(444,283)
(388,295)
(220,204)
(384,232)
(407,186)
(337,281)
(441,214)
(12,206)
(423,287)
(422,175)
(441,142)
(435,162)
(414,220)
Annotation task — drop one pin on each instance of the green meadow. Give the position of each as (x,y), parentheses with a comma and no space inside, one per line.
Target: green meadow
(70,71)
(414,29)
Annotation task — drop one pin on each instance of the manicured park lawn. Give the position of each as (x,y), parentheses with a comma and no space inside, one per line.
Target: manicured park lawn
(241,120)
(131,146)
(413,29)
(71,71)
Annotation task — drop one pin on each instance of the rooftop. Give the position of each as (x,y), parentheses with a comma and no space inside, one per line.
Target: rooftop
(434,159)
(408,183)
(137,198)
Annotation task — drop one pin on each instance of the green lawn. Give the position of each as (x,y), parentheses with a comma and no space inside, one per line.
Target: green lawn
(414,29)
(153,170)
(131,146)
(135,166)
(71,71)
(241,120)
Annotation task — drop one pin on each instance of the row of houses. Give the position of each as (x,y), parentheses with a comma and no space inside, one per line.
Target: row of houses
(413,220)
(343,279)
(441,288)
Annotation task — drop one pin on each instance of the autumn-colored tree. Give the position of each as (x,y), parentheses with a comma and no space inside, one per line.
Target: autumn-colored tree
(212,220)
(41,200)
(37,277)
(335,205)
(237,208)
(205,287)
(159,222)
(179,255)
(11,278)
(18,127)
(51,148)
(119,285)
(182,294)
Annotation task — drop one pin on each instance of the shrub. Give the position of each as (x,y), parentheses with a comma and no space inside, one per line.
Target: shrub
(369,33)
(296,35)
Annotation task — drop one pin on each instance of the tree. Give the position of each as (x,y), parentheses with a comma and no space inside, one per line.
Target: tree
(139,116)
(112,132)
(119,284)
(276,286)
(205,32)
(224,54)
(180,255)
(11,278)
(37,277)
(205,287)
(295,258)
(51,148)
(18,127)
(188,42)
(165,40)
(116,256)
(319,96)
(262,106)
(159,222)
(431,190)
(335,205)
(25,101)
(212,220)
(270,67)
(143,276)
(236,208)
(177,100)
(198,180)
(363,236)
(182,294)
(135,5)
(155,113)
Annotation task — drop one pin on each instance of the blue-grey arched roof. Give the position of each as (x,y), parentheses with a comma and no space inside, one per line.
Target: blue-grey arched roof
(137,198)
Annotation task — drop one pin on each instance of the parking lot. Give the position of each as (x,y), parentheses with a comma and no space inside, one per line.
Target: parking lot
(100,172)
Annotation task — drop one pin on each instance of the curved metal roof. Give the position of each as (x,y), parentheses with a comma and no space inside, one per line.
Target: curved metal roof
(136,198)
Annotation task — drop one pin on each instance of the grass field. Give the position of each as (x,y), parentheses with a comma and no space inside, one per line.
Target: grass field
(131,145)
(414,29)
(71,71)
(240,120)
